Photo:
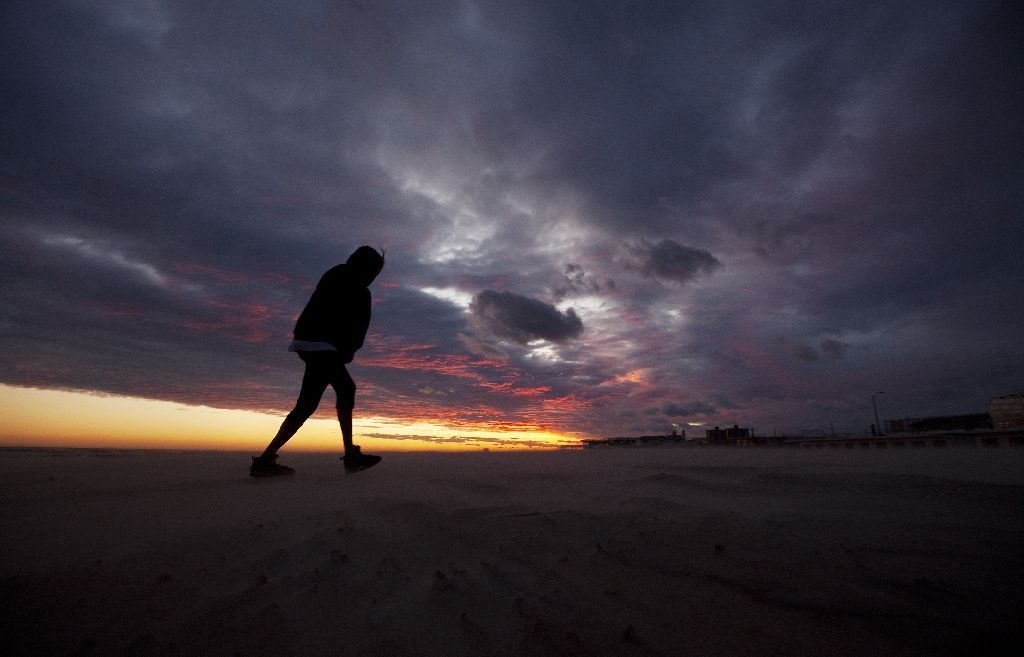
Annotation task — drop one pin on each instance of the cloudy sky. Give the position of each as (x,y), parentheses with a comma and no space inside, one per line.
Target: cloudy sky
(600,218)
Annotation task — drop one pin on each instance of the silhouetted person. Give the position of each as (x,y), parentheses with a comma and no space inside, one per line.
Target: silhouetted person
(329,331)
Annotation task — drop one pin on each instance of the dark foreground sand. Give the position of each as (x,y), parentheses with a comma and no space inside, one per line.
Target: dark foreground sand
(620,552)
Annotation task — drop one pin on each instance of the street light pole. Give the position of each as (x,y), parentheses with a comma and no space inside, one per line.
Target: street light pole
(878,427)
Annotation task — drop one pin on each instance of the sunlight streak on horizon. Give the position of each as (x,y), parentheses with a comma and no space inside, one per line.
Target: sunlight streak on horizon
(36,417)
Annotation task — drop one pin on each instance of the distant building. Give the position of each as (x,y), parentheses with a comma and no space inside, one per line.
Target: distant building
(732,434)
(674,438)
(1007,411)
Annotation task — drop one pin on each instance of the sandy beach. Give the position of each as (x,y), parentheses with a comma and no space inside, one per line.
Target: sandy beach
(670,551)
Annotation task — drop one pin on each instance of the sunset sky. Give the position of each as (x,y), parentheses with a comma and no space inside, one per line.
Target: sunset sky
(601,218)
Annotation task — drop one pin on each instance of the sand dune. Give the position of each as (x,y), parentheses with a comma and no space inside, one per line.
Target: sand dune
(617,552)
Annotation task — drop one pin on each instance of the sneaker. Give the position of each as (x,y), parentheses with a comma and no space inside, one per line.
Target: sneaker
(355,460)
(265,466)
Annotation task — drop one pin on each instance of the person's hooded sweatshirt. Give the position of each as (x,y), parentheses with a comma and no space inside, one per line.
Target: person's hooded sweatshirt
(338,313)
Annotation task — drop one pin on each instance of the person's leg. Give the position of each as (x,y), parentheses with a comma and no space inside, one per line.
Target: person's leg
(345,391)
(314,381)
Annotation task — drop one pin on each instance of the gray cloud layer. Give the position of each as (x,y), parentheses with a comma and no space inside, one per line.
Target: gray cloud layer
(788,205)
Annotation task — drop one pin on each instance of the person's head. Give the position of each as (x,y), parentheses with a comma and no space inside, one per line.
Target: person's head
(366,263)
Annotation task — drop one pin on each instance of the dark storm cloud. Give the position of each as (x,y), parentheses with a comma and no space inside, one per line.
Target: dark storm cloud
(660,107)
(670,260)
(521,319)
(687,409)
(183,145)
(176,176)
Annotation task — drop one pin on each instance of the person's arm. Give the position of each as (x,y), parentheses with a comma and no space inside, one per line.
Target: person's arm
(361,321)
(352,323)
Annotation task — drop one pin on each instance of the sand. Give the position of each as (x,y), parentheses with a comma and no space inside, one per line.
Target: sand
(666,551)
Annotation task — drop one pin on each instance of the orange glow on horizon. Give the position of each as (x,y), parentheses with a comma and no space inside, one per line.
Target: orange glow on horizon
(58,418)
